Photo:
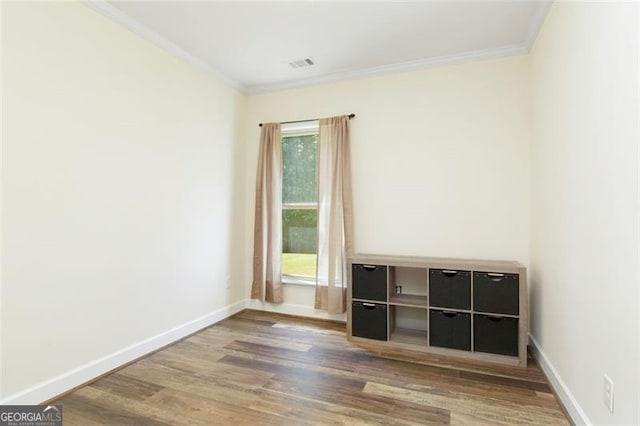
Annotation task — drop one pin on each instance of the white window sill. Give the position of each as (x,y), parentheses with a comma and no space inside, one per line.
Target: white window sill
(303,281)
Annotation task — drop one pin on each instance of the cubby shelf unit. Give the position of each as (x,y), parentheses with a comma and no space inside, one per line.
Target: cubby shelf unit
(459,307)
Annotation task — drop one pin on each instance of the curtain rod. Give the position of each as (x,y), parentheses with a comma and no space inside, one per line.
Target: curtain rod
(311,119)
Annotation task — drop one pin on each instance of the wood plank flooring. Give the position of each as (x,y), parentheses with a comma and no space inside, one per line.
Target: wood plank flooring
(258,368)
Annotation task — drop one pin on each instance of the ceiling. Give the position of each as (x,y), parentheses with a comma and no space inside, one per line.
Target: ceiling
(250,44)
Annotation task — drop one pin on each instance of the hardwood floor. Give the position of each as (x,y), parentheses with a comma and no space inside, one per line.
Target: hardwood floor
(258,368)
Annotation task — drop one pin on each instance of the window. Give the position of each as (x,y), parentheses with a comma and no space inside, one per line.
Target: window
(299,201)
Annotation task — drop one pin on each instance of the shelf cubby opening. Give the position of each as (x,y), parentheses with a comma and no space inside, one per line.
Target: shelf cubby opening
(408,325)
(408,286)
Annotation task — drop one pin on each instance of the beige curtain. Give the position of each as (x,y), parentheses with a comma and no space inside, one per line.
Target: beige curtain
(335,214)
(267,240)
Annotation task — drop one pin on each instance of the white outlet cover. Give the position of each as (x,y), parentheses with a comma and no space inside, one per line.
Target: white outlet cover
(608,393)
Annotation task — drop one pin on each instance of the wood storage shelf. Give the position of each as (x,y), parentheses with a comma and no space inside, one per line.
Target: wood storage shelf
(459,307)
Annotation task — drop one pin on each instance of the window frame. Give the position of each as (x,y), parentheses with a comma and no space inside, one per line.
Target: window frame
(303,128)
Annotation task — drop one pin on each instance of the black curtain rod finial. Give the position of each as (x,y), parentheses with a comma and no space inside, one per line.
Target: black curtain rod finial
(352,115)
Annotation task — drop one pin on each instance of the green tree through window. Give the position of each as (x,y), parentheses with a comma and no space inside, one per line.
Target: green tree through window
(299,204)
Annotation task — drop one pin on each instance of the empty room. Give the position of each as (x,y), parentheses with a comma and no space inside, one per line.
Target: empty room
(320,212)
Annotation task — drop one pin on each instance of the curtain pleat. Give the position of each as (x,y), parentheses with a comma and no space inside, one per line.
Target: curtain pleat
(335,214)
(267,243)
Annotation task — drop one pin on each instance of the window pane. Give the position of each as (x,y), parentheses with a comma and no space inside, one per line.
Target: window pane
(299,242)
(299,169)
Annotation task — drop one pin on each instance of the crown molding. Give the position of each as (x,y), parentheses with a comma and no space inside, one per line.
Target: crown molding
(116,15)
(478,55)
(113,13)
(536,23)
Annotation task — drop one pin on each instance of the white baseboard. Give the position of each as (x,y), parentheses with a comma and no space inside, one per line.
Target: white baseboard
(290,309)
(57,385)
(577,414)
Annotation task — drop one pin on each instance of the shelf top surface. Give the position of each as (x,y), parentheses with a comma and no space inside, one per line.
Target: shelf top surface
(409,300)
(437,262)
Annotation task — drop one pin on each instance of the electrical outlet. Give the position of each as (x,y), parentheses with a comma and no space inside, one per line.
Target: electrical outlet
(227,282)
(608,392)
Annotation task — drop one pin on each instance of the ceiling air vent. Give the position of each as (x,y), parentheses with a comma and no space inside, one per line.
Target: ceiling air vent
(306,62)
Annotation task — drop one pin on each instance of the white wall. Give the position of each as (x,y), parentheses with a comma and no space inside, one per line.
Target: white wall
(1,174)
(118,194)
(584,203)
(128,182)
(439,159)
